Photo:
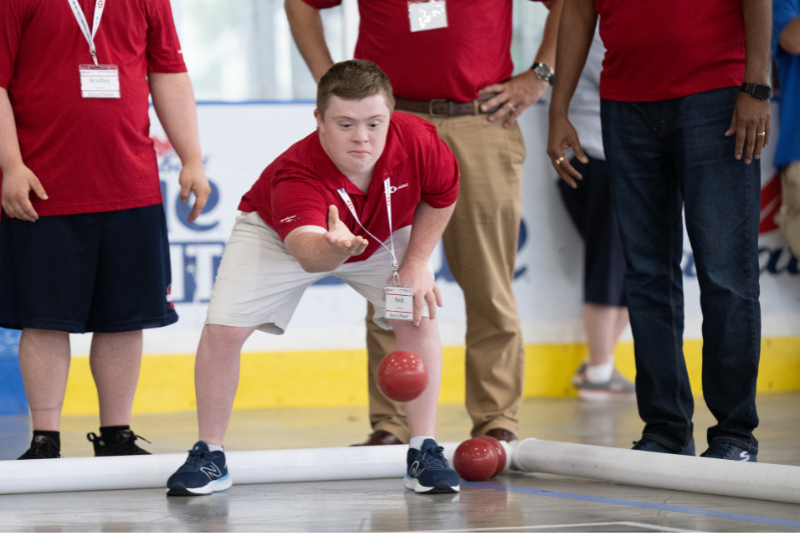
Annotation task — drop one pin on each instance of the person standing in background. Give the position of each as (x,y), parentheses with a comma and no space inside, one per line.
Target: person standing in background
(590,206)
(450,63)
(83,236)
(685,114)
(786,52)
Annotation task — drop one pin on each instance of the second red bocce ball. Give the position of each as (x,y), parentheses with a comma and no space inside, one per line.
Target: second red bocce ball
(402,376)
(479,459)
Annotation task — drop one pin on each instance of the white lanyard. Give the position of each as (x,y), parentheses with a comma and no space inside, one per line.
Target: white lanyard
(77,10)
(387,187)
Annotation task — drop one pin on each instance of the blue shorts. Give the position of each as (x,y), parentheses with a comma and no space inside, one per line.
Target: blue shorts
(95,272)
(592,211)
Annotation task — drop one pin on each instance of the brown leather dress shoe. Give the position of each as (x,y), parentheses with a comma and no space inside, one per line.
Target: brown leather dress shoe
(380,438)
(501,434)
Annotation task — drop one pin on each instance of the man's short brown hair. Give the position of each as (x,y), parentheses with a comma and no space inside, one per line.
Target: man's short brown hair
(353,80)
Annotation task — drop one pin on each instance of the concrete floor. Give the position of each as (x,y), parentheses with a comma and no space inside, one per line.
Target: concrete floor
(511,502)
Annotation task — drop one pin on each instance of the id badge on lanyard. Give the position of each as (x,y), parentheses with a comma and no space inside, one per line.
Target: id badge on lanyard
(399,299)
(97,81)
(426,16)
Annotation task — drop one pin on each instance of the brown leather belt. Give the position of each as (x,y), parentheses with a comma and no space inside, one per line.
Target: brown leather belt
(445,108)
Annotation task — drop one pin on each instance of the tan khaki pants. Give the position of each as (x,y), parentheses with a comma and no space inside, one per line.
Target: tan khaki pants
(789,220)
(480,244)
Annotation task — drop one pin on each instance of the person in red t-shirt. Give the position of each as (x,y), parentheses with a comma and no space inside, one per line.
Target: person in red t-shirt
(685,114)
(450,63)
(365,198)
(83,240)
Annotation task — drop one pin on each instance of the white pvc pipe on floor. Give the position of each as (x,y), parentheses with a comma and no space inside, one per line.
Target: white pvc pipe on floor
(152,471)
(694,474)
(760,481)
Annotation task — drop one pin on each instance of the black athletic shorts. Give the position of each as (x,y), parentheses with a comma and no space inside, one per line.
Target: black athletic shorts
(592,211)
(102,272)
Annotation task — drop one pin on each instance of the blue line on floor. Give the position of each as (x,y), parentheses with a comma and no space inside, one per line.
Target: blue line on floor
(632,503)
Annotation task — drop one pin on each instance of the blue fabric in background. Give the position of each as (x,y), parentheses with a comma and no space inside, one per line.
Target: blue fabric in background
(788,150)
(12,392)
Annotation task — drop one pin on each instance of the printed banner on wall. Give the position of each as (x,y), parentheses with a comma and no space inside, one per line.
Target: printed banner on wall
(240,140)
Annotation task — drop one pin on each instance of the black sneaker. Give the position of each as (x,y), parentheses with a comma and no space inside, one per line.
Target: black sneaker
(428,471)
(731,452)
(647,445)
(42,448)
(123,443)
(203,472)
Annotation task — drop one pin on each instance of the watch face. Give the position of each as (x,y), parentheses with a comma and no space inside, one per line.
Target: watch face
(543,72)
(761,91)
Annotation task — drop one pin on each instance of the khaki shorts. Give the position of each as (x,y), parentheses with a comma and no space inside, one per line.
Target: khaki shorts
(260,284)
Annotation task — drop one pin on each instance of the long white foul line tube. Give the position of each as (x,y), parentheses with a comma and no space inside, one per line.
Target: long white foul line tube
(761,481)
(152,471)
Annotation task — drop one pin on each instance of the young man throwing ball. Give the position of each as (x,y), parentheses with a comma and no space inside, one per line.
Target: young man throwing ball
(364,198)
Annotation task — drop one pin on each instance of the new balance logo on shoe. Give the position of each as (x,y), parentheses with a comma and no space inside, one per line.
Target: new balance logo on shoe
(211,470)
(416,469)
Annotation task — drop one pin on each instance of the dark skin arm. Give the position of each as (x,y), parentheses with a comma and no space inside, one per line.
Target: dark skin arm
(575,34)
(750,115)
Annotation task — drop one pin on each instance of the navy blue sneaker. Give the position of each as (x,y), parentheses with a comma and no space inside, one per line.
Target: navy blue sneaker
(647,445)
(203,472)
(428,471)
(731,452)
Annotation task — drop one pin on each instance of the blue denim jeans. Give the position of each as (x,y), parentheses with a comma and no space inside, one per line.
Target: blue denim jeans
(662,155)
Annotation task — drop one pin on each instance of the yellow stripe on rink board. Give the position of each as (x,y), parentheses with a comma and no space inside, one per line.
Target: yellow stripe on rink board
(339,377)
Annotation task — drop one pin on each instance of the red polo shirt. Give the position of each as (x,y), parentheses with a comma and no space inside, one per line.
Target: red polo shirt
(663,50)
(297,188)
(452,63)
(91,155)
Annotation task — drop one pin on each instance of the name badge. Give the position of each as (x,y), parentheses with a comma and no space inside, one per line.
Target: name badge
(99,81)
(426,16)
(399,302)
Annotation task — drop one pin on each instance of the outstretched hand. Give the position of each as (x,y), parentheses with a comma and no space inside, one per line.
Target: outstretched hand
(340,238)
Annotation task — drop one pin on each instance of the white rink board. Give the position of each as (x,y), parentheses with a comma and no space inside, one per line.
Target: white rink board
(240,140)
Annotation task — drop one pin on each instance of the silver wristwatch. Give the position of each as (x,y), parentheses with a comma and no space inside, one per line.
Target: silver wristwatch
(544,72)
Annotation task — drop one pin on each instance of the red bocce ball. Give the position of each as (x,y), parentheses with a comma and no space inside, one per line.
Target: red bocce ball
(402,376)
(499,450)
(475,460)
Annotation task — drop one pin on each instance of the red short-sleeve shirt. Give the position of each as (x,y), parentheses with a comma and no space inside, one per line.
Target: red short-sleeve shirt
(297,188)
(663,50)
(452,63)
(91,155)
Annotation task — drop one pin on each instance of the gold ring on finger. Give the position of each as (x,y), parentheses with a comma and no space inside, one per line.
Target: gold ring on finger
(762,133)
(559,160)
(511,106)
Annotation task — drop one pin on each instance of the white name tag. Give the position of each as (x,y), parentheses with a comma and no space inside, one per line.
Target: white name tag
(99,81)
(399,303)
(426,16)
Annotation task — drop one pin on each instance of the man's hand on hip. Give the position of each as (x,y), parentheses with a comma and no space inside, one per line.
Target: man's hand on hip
(193,180)
(340,238)
(17,185)
(562,135)
(751,123)
(419,279)
(514,96)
